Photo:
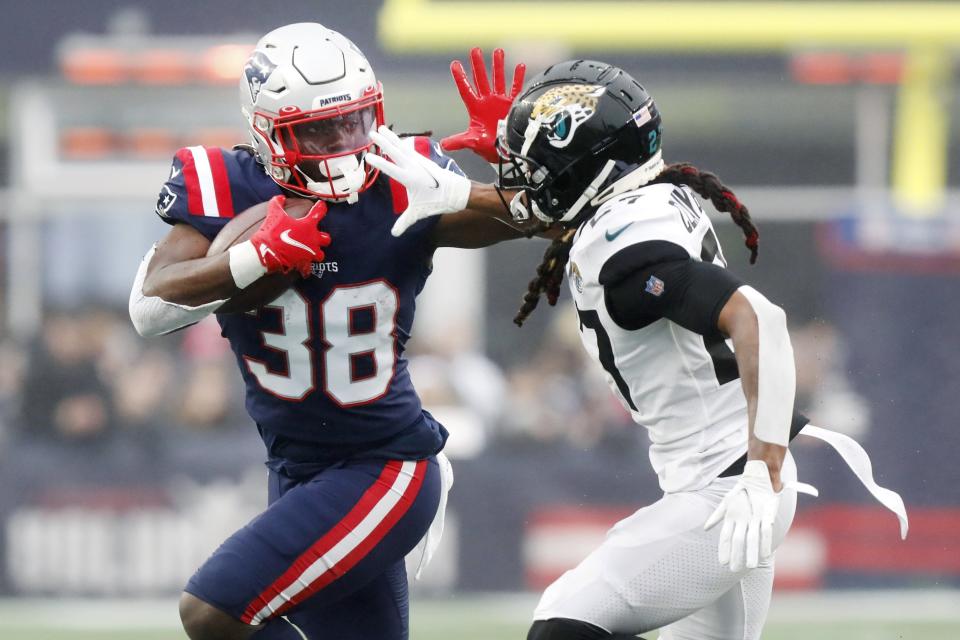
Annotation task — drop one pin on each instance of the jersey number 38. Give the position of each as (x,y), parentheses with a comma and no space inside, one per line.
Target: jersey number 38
(345,344)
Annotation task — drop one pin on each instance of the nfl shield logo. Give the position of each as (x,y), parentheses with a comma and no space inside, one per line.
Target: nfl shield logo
(654,286)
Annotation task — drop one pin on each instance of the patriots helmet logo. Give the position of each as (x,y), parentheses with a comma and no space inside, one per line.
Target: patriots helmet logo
(257,70)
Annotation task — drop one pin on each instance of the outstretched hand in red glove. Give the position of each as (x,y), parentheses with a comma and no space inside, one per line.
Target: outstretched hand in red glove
(485,107)
(285,244)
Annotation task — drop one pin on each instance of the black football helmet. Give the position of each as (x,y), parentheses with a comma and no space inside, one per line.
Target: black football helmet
(576,127)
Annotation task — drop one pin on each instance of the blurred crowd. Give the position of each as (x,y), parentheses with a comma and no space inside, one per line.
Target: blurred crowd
(86,379)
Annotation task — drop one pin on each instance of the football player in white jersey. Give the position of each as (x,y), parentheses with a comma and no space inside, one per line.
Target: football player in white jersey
(700,359)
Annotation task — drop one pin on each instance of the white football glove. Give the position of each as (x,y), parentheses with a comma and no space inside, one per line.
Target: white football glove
(748,512)
(431,189)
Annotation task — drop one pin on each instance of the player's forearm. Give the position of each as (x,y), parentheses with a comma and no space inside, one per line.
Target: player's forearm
(192,282)
(484,199)
(486,203)
(484,222)
(740,324)
(746,345)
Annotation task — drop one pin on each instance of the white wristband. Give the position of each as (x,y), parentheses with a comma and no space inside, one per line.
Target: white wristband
(245,265)
(459,192)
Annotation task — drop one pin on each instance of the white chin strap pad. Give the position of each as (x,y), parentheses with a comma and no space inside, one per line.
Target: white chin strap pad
(352,174)
(777,383)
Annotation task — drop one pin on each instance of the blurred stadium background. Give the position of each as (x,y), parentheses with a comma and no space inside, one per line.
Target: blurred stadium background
(124,462)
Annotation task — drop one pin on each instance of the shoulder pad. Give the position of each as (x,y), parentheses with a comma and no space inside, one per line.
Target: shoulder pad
(664,213)
(431,149)
(208,186)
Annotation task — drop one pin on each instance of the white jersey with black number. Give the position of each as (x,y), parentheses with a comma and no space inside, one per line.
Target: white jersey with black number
(649,283)
(681,386)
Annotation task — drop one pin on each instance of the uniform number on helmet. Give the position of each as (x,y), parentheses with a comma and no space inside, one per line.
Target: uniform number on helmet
(357,355)
(653,140)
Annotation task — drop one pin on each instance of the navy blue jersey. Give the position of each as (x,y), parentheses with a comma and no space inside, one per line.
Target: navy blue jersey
(323,364)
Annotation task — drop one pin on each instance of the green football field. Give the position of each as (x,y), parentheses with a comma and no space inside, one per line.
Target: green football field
(911,615)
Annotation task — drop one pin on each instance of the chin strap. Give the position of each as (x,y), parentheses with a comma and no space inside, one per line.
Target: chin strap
(633,180)
(595,196)
(590,192)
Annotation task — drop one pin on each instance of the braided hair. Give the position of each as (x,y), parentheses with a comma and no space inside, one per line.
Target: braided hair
(707,185)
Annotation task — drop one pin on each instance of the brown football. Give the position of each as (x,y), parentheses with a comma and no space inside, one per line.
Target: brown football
(244,225)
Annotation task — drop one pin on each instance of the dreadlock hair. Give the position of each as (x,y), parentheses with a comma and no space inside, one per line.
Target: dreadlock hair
(549,275)
(707,185)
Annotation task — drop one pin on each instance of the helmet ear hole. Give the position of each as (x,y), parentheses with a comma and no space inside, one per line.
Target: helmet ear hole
(562,181)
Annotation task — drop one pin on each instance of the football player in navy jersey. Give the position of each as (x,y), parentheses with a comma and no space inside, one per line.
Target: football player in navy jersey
(355,479)
(700,359)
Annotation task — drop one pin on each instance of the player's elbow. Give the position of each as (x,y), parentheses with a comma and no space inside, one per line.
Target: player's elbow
(150,288)
(737,317)
(145,325)
(145,329)
(154,316)
(746,310)
(151,316)
(772,316)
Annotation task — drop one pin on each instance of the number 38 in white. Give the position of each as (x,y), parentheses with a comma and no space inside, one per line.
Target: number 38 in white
(357,324)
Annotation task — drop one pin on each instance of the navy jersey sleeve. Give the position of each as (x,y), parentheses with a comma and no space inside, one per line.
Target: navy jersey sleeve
(657,279)
(431,149)
(208,186)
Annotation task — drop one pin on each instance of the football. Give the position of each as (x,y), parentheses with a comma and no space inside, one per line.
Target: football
(239,229)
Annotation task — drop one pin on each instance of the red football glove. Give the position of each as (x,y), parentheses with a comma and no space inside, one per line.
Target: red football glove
(285,244)
(484,107)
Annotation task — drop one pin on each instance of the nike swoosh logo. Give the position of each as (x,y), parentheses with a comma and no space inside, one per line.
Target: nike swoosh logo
(285,236)
(613,236)
(264,250)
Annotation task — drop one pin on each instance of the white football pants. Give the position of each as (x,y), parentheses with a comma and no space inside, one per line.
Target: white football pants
(658,569)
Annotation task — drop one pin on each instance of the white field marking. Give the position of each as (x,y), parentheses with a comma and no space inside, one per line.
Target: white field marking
(934,605)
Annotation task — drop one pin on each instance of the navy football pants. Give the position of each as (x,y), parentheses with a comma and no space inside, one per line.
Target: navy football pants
(328,553)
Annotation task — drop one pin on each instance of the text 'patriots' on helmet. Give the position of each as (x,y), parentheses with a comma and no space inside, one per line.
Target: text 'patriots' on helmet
(578,127)
(310,99)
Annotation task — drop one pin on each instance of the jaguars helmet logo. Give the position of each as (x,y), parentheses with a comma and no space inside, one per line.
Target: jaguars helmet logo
(576,277)
(561,110)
